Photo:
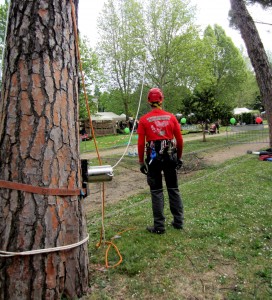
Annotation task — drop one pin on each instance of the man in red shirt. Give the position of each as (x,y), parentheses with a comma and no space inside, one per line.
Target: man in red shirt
(159,134)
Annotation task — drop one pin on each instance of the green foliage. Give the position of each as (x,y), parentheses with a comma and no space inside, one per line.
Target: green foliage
(163,39)
(3,21)
(269,56)
(225,65)
(249,94)
(169,42)
(204,106)
(246,118)
(122,28)
(92,77)
(112,101)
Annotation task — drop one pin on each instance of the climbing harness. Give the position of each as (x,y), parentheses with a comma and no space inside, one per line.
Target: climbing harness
(160,149)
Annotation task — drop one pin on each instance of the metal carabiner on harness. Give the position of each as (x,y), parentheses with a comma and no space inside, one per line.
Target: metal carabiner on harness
(163,146)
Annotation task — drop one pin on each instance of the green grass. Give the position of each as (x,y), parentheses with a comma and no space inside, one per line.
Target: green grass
(106,142)
(224,252)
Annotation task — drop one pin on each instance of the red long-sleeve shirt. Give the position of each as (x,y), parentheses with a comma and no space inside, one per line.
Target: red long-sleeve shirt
(158,125)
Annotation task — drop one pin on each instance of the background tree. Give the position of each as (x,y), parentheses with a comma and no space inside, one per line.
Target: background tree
(249,90)
(110,101)
(39,145)
(225,65)
(93,76)
(170,46)
(121,27)
(269,56)
(256,52)
(3,19)
(205,106)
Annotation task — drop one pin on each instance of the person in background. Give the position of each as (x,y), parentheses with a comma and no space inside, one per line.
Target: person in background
(159,133)
(217,126)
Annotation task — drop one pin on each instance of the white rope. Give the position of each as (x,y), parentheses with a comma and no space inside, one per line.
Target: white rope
(136,117)
(39,251)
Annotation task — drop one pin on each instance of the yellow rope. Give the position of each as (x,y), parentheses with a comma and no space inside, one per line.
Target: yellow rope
(96,147)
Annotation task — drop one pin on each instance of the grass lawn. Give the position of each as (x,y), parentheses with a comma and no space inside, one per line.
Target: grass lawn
(224,252)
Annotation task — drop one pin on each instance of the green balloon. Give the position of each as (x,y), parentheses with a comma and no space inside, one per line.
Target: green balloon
(126,130)
(232,121)
(183,121)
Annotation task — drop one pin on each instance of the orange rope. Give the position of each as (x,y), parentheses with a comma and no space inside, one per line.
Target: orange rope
(95,142)
(111,244)
(118,252)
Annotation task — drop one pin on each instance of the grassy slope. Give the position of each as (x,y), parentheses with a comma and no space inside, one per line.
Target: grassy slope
(224,252)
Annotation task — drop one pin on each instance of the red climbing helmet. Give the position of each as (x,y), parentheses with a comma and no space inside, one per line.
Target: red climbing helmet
(155,95)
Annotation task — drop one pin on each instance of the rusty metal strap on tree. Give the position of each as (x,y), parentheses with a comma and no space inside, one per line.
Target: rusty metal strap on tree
(41,190)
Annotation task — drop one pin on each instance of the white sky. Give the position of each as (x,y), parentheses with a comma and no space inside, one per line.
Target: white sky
(208,12)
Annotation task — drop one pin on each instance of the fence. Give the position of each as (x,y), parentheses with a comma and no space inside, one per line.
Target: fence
(247,134)
(192,128)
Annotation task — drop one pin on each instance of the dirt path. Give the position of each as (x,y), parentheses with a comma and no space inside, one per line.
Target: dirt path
(128,181)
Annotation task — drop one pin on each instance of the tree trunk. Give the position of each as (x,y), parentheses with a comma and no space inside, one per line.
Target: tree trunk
(257,55)
(39,146)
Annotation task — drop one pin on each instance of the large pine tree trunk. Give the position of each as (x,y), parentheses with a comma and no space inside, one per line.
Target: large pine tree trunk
(39,146)
(257,55)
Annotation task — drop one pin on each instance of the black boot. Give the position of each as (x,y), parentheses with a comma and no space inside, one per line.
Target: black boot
(176,207)
(152,229)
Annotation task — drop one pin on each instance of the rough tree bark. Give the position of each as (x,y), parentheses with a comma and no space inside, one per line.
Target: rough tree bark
(257,55)
(39,146)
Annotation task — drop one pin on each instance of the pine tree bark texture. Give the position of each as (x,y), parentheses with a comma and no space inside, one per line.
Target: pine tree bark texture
(257,55)
(39,146)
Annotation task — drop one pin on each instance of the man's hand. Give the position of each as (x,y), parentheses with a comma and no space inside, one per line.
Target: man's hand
(179,164)
(143,168)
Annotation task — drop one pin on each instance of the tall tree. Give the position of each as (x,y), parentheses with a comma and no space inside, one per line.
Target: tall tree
(225,66)
(3,19)
(39,145)
(121,27)
(169,42)
(92,77)
(256,52)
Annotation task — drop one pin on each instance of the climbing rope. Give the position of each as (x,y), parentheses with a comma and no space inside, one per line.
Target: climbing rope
(46,250)
(134,124)
(102,231)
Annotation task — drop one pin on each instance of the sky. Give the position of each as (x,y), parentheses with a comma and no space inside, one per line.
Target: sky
(208,12)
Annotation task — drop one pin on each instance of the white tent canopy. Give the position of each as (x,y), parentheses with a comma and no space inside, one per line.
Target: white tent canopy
(241,110)
(101,116)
